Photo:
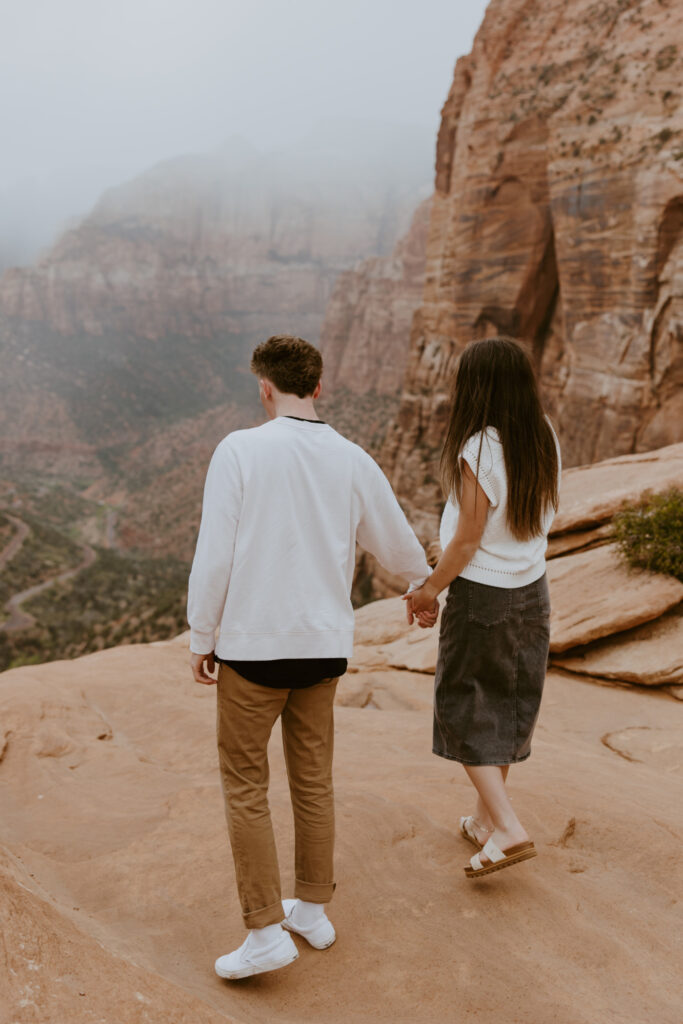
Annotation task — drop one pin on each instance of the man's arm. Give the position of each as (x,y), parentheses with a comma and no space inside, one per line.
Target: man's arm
(383,529)
(212,565)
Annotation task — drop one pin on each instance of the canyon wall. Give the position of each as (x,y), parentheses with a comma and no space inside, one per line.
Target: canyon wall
(365,335)
(557,218)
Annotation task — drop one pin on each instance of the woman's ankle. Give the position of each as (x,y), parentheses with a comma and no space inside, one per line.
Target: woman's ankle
(512,833)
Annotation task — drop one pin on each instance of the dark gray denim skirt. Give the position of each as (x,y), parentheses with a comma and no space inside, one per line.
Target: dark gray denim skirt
(490,670)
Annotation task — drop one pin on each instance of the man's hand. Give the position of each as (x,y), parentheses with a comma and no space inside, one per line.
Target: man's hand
(201,675)
(426,620)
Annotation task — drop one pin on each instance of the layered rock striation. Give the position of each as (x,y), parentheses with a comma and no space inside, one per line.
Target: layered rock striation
(365,336)
(557,218)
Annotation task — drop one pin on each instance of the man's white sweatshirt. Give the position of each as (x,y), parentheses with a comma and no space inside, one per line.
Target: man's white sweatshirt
(284,505)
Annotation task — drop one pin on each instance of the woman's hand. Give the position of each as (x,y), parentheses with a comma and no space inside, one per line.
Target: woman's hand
(422,605)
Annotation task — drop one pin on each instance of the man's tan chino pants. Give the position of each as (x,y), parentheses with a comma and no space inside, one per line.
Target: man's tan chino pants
(247,713)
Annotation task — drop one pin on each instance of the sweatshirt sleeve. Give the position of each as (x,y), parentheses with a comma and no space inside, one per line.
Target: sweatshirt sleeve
(383,529)
(212,565)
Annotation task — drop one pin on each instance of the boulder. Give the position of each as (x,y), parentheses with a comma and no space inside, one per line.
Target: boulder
(594,594)
(386,689)
(577,540)
(416,651)
(593,494)
(381,622)
(651,654)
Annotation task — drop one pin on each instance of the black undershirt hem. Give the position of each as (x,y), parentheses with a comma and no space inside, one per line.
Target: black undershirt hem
(288,673)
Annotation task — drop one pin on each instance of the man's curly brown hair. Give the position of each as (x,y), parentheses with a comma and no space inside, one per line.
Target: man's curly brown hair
(293,365)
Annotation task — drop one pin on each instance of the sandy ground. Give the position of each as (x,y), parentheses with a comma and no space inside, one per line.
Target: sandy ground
(117,881)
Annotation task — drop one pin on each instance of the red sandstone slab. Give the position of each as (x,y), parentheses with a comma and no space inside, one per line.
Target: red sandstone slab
(594,594)
(650,655)
(592,494)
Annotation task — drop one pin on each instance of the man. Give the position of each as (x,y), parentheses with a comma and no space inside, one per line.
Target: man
(284,505)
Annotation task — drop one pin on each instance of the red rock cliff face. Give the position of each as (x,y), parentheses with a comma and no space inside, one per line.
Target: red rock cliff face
(557,218)
(365,336)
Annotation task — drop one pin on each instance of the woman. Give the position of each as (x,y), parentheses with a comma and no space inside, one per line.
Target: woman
(500,468)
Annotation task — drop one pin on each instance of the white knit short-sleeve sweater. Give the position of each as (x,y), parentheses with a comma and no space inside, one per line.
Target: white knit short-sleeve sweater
(501,560)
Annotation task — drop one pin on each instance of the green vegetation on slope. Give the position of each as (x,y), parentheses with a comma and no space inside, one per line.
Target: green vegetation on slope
(650,533)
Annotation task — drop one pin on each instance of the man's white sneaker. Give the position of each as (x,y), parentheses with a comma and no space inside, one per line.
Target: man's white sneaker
(320,934)
(250,959)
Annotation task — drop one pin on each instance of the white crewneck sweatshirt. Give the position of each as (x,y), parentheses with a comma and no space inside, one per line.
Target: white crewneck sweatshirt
(284,505)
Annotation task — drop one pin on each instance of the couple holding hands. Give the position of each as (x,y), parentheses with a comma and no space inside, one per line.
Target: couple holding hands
(284,505)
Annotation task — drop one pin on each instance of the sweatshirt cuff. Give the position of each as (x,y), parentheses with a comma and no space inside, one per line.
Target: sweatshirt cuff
(416,584)
(202,643)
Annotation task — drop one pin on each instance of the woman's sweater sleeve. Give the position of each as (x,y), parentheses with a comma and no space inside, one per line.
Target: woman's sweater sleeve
(383,529)
(212,565)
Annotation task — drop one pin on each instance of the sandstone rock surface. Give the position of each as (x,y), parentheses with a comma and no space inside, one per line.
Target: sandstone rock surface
(557,218)
(365,336)
(593,494)
(381,622)
(593,594)
(577,540)
(651,655)
(117,880)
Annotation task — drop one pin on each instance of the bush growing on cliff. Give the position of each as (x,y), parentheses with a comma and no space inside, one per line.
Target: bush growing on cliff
(650,533)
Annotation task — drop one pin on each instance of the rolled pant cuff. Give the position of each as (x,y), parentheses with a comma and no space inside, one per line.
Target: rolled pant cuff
(272,914)
(313,892)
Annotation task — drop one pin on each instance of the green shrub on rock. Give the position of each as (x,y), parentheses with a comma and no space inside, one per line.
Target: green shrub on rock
(650,532)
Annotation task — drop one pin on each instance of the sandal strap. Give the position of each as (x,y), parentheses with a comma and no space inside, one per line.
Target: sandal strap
(493,853)
(466,826)
(489,850)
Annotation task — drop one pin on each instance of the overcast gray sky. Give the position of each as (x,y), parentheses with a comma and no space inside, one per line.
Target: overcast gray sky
(91,92)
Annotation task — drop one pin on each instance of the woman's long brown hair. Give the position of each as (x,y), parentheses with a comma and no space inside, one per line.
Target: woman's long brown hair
(494,386)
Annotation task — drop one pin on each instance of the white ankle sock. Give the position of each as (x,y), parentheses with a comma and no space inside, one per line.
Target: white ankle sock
(306,914)
(264,937)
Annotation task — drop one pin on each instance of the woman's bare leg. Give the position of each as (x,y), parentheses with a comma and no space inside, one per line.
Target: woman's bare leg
(498,813)
(483,822)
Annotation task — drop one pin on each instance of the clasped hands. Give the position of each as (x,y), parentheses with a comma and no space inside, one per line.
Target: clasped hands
(422,606)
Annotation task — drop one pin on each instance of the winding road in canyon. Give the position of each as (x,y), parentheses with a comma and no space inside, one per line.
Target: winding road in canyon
(13,546)
(19,619)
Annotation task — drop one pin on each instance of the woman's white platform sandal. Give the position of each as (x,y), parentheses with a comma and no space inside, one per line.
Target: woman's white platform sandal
(497,859)
(467,826)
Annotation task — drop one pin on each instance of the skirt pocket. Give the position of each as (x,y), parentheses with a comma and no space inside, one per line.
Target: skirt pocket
(487,606)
